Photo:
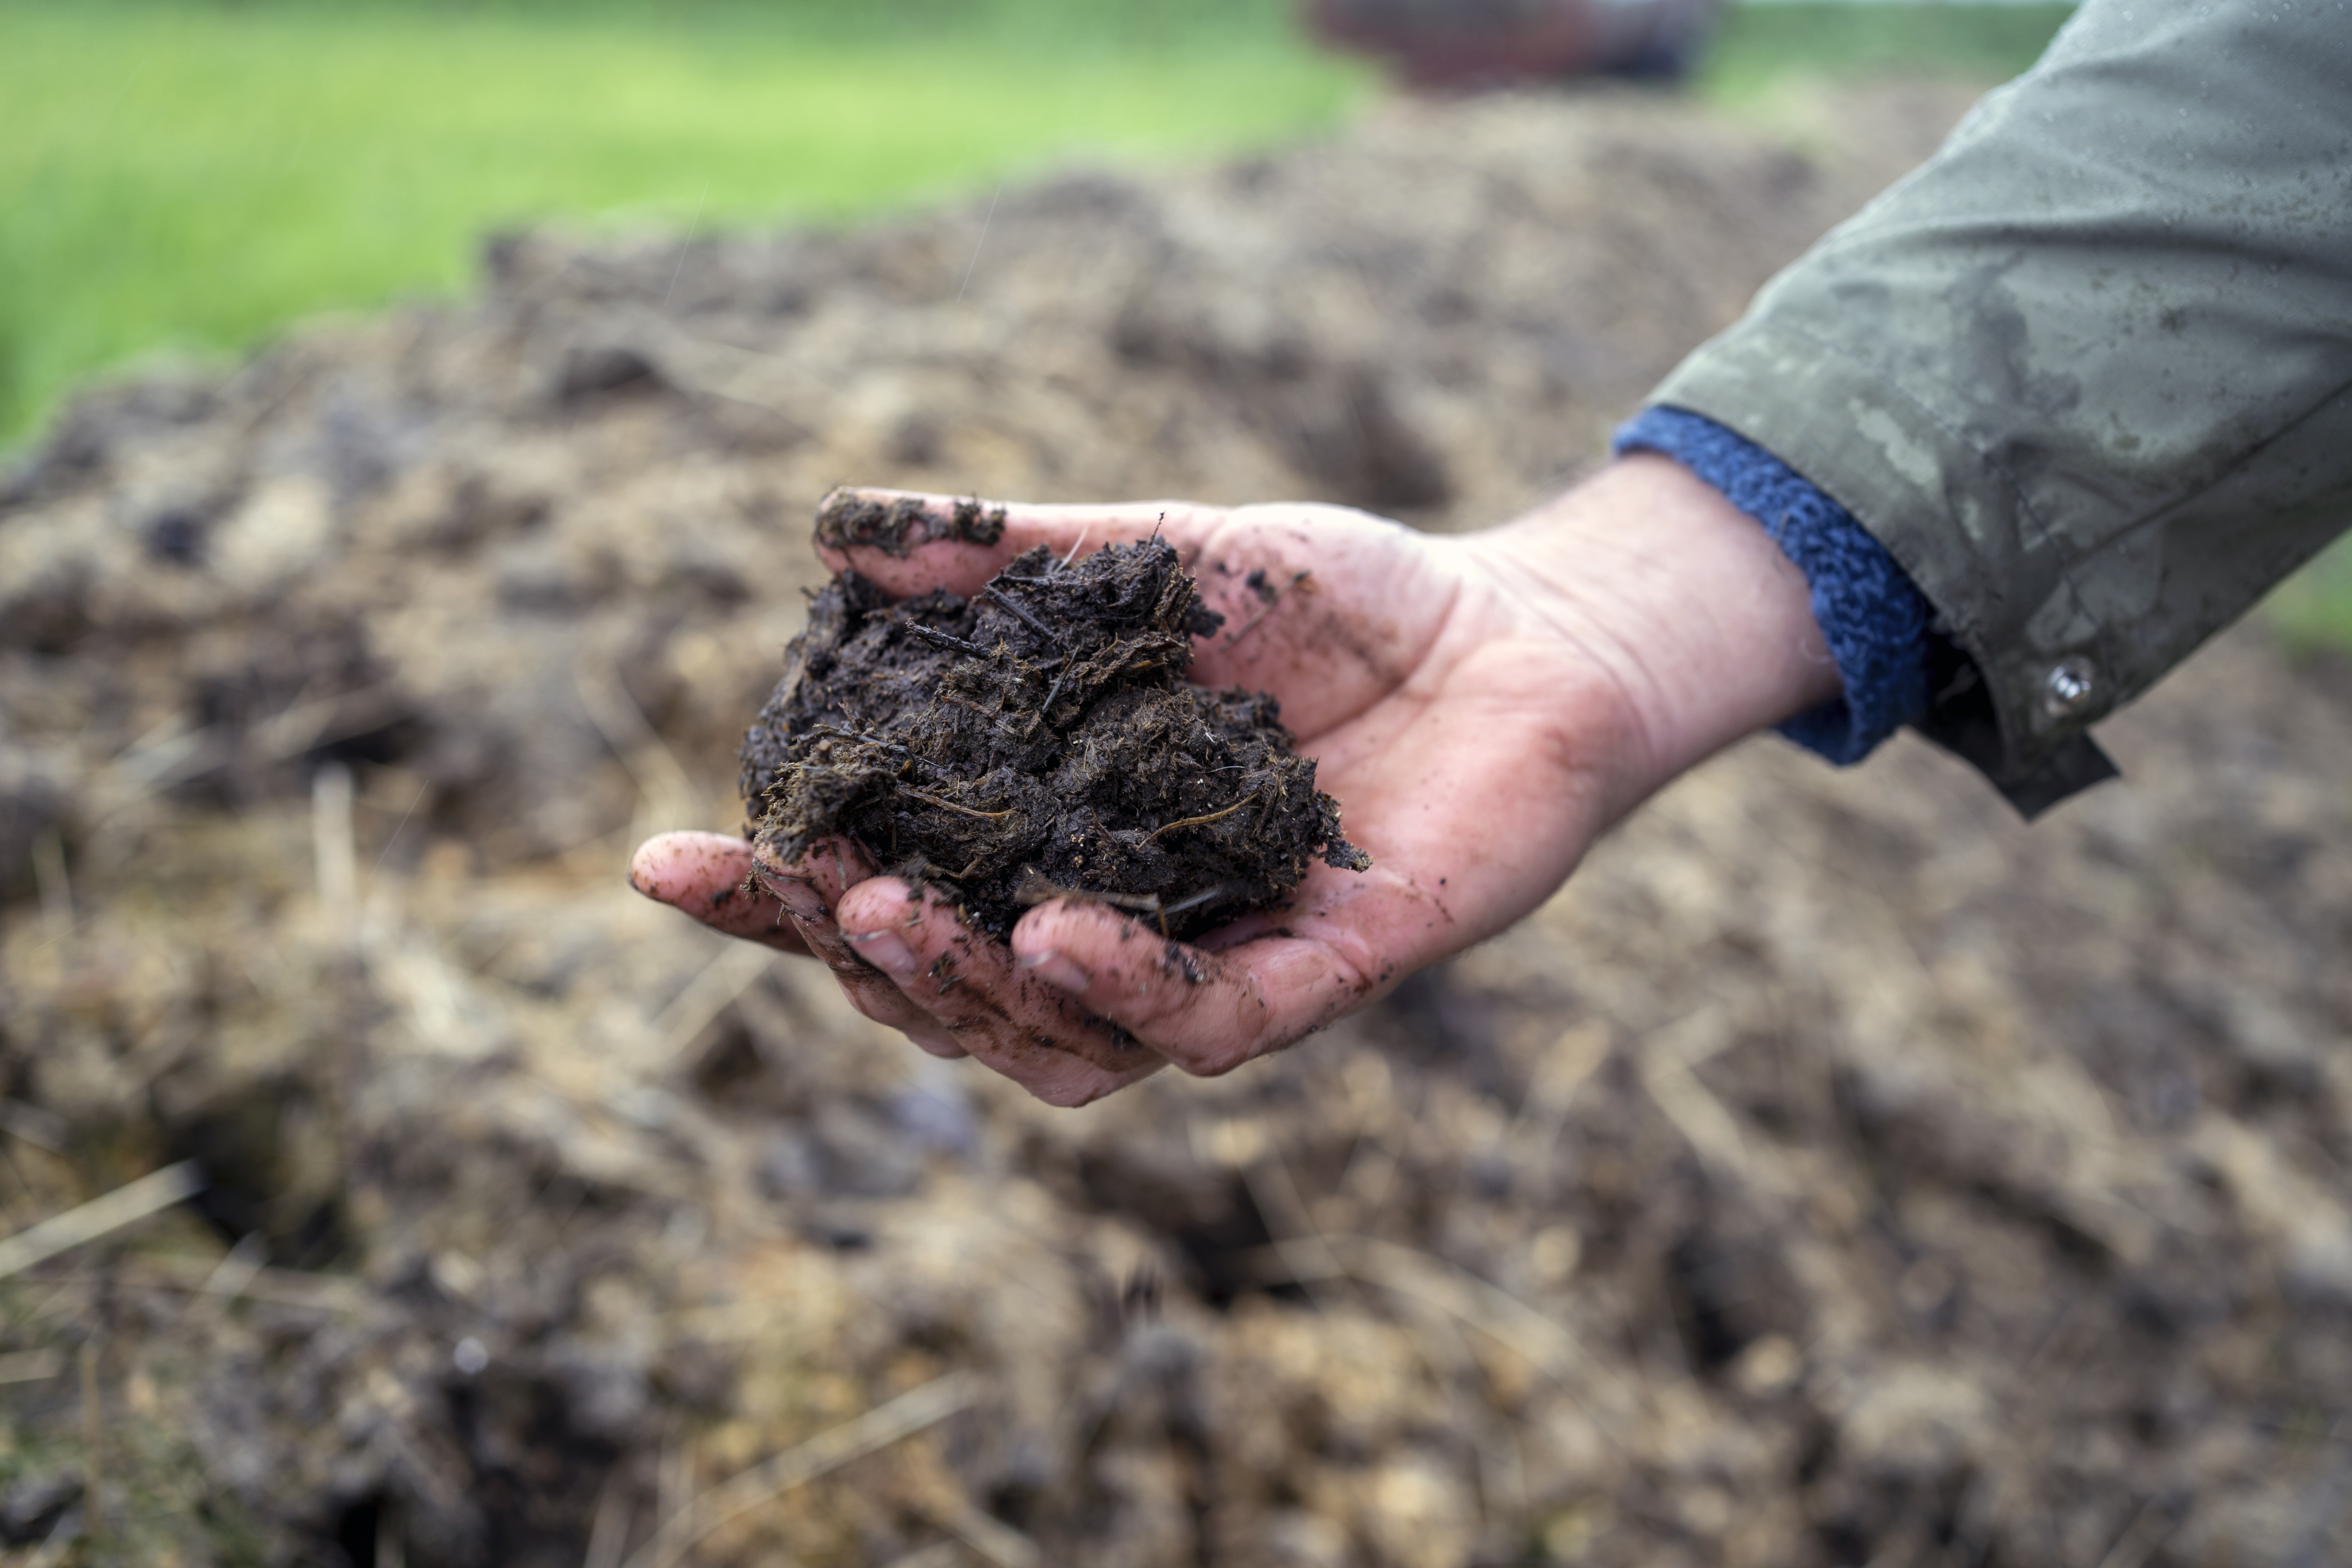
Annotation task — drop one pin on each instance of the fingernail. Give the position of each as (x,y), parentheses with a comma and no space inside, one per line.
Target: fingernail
(1055,969)
(885,951)
(796,896)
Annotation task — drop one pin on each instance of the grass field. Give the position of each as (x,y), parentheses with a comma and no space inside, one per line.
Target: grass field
(186,175)
(189,176)
(183,177)
(1767,47)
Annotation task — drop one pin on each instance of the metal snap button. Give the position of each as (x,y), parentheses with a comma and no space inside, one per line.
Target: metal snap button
(2067,689)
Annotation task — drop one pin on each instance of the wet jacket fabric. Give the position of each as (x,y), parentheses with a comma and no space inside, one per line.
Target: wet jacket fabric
(2087,375)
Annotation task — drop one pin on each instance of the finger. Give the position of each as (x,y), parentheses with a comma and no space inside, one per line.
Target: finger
(709,876)
(809,889)
(907,542)
(1319,602)
(1028,1030)
(1207,1012)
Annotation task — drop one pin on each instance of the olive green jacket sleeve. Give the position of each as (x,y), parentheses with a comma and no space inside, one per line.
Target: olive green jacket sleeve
(2087,374)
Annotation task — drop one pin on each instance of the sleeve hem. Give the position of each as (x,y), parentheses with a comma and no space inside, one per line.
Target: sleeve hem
(1872,616)
(1879,453)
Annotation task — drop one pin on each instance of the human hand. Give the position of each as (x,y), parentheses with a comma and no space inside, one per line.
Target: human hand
(1482,707)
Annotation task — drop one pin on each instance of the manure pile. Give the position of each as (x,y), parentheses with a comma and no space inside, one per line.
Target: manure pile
(1837,1172)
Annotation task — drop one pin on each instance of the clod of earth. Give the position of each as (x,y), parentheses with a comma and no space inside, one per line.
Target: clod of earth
(844,519)
(1038,739)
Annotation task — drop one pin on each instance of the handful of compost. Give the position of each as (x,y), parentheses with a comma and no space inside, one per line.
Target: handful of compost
(1039,741)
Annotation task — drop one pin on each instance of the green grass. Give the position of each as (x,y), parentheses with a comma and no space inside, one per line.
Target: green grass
(186,176)
(2313,609)
(189,176)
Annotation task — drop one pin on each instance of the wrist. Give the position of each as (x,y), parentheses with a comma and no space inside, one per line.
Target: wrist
(1703,626)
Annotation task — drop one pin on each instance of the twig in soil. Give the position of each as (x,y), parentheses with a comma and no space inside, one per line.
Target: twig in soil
(1005,599)
(279,1287)
(879,1427)
(907,758)
(229,1278)
(124,1205)
(30,1123)
(2147,1531)
(1197,821)
(931,633)
(1036,889)
(929,799)
(992,715)
(1045,711)
(1665,1064)
(990,1538)
(710,993)
(1297,1239)
(1208,896)
(608,1534)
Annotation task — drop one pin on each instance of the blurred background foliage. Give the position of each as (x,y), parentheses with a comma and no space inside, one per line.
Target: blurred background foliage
(185,175)
(182,177)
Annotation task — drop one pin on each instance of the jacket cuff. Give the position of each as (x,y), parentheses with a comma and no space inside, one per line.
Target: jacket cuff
(2018,718)
(1874,619)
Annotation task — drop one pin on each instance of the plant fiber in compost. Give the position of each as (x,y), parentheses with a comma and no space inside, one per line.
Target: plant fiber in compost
(1039,739)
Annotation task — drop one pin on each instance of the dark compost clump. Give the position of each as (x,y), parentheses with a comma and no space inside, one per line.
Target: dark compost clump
(1038,739)
(845,517)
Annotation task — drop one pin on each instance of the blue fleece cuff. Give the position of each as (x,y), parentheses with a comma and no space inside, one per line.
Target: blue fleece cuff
(1872,614)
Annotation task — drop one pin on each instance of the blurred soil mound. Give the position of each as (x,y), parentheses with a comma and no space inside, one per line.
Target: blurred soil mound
(1837,1172)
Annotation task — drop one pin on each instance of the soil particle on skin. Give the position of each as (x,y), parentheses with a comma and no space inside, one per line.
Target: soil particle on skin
(846,520)
(1037,740)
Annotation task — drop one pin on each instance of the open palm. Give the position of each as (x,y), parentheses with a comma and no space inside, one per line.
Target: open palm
(1477,713)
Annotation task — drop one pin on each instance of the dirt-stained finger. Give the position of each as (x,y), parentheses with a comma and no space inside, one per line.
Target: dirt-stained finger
(709,876)
(1014,1022)
(809,889)
(1207,1012)
(907,542)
